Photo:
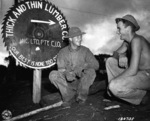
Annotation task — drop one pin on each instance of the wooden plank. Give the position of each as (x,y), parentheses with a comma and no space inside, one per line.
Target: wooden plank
(37,85)
(35,111)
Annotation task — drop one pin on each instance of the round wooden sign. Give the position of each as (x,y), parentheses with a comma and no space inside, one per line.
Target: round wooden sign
(34,31)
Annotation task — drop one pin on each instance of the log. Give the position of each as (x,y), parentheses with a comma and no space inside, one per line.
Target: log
(35,111)
(37,85)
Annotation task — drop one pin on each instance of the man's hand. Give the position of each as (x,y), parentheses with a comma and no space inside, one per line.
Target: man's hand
(116,55)
(70,75)
(123,61)
(69,67)
(78,71)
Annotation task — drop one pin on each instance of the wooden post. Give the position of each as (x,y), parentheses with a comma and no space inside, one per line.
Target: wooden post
(37,85)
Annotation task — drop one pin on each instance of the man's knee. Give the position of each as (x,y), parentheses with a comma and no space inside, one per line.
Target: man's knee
(53,76)
(114,88)
(90,72)
(110,61)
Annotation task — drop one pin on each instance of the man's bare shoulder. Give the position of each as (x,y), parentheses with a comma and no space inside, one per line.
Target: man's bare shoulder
(145,52)
(138,39)
(141,38)
(145,43)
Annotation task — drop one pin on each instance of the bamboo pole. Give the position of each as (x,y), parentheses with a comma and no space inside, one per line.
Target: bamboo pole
(35,111)
(37,85)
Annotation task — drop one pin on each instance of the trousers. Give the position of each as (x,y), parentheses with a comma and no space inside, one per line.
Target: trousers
(130,88)
(79,86)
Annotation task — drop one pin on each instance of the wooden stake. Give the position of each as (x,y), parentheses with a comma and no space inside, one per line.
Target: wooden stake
(35,111)
(37,86)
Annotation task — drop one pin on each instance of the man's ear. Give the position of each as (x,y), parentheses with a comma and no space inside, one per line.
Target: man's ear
(129,28)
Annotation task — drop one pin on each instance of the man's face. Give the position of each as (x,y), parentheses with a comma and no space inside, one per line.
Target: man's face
(121,30)
(77,40)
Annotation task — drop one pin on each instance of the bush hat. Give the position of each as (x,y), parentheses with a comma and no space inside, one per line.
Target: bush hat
(131,19)
(73,32)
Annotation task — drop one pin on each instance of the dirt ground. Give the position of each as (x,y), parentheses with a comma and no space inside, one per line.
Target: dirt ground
(17,97)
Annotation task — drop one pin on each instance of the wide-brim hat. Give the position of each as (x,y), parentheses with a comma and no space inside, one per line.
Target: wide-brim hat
(131,19)
(73,32)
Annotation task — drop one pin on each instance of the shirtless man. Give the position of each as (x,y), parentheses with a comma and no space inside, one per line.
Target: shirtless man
(129,80)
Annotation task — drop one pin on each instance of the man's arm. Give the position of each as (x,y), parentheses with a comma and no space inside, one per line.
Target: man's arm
(123,47)
(64,67)
(121,50)
(61,62)
(91,61)
(136,49)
